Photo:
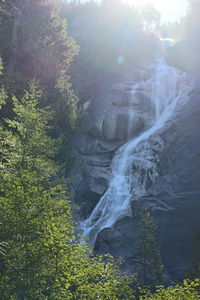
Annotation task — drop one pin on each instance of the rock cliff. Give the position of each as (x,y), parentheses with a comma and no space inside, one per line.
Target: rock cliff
(174,198)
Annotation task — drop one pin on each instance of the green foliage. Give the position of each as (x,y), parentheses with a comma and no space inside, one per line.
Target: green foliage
(40,47)
(3,95)
(40,258)
(42,43)
(187,291)
(149,258)
(174,30)
(194,270)
(3,248)
(1,67)
(112,42)
(151,17)
(25,143)
(192,20)
(43,259)
(30,216)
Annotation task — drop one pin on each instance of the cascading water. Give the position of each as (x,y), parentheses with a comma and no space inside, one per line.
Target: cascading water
(135,164)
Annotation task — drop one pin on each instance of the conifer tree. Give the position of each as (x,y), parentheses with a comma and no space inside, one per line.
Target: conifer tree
(40,258)
(194,270)
(3,95)
(37,45)
(25,143)
(149,258)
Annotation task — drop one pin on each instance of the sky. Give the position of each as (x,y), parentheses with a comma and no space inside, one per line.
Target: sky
(171,10)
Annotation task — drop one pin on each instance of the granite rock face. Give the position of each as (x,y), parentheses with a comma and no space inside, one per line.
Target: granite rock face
(174,198)
(184,55)
(108,123)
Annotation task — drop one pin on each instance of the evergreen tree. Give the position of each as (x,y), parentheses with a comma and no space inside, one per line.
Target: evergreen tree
(149,258)
(3,95)
(3,245)
(194,270)
(37,45)
(186,291)
(25,143)
(40,258)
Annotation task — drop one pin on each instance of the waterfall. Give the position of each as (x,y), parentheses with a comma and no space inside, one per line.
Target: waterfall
(136,164)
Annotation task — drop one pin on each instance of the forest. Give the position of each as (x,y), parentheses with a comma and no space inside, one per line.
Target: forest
(56,58)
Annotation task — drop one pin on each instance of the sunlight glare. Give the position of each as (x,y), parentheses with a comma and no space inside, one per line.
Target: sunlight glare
(171,10)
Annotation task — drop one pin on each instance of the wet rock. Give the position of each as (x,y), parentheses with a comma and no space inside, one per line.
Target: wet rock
(174,198)
(122,124)
(108,125)
(173,189)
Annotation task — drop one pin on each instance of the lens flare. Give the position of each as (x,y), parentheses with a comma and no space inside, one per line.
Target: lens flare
(120,59)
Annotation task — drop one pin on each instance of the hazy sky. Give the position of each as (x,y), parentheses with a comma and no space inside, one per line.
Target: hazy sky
(171,10)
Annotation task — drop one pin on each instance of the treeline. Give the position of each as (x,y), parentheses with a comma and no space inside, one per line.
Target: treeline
(35,44)
(113,40)
(40,257)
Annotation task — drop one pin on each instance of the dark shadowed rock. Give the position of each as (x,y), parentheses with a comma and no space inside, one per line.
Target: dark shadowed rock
(174,195)
(108,124)
(174,199)
(184,55)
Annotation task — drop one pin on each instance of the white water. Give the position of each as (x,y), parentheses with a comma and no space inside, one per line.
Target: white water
(136,164)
